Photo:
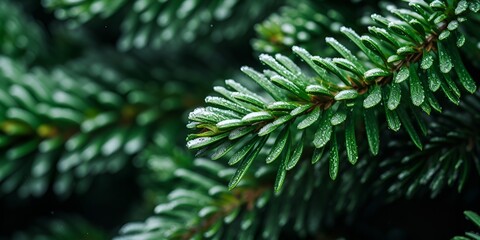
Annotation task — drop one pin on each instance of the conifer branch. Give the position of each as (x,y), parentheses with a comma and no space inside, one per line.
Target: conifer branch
(73,114)
(246,198)
(408,46)
(157,24)
(449,158)
(301,23)
(209,210)
(65,126)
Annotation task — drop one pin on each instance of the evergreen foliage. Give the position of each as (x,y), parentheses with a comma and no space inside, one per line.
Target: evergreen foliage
(449,158)
(341,93)
(77,124)
(357,113)
(300,24)
(210,210)
(159,23)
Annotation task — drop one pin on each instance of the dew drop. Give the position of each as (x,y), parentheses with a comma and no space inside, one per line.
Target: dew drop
(427,61)
(402,75)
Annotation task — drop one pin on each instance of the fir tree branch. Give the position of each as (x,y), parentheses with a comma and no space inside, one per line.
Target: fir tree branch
(166,24)
(409,47)
(449,158)
(65,126)
(243,197)
(300,23)
(201,207)
(368,180)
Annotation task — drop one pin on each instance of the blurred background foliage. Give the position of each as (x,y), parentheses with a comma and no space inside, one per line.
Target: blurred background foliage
(94,98)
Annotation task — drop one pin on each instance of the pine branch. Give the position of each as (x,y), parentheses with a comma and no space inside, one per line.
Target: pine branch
(201,207)
(159,24)
(83,11)
(368,181)
(302,24)
(449,158)
(68,121)
(305,23)
(72,123)
(197,205)
(246,197)
(299,208)
(409,54)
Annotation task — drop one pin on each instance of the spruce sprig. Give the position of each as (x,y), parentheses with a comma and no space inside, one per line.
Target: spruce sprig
(407,57)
